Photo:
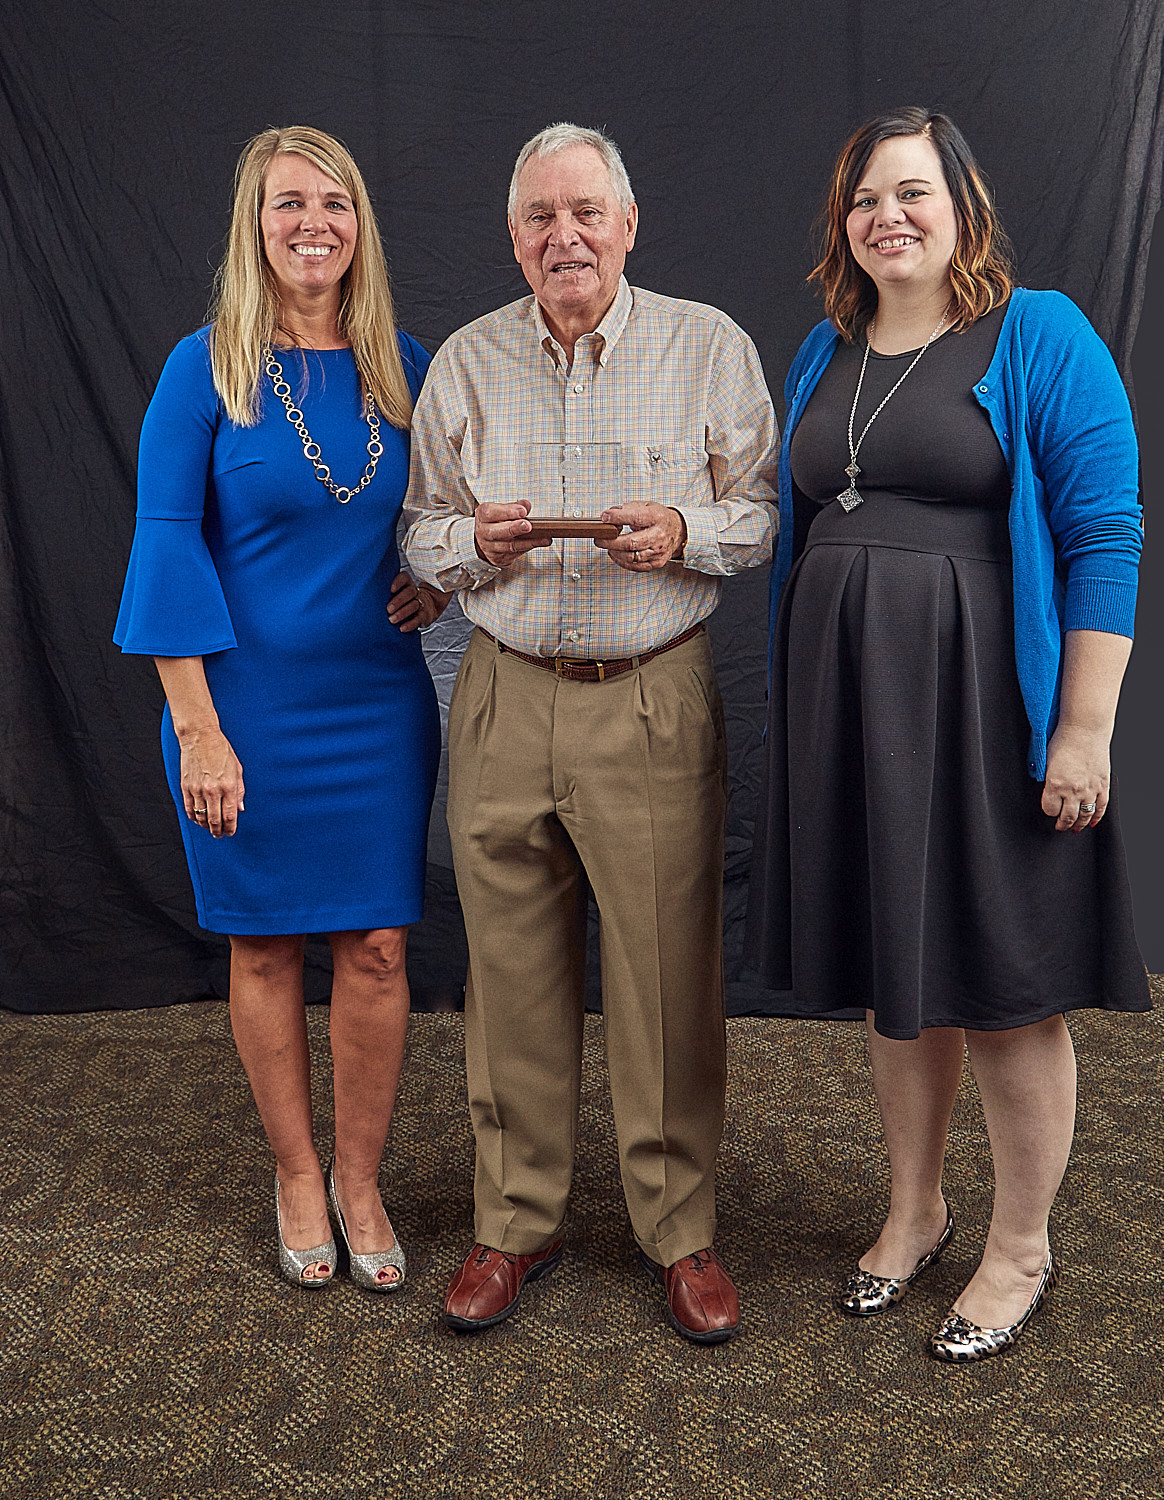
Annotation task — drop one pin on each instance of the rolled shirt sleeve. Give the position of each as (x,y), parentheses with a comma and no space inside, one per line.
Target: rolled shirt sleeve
(439,508)
(738,529)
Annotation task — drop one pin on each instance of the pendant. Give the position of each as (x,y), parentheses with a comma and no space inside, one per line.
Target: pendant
(849,498)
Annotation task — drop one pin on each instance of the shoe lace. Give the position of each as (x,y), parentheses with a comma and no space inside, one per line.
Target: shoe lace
(485,1251)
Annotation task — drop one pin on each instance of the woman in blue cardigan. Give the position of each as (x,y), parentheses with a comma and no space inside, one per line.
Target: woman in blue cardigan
(938,850)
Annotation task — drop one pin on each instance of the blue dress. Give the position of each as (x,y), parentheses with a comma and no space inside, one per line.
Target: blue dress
(242,557)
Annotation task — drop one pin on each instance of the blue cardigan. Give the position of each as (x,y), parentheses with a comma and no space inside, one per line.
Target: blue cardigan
(1060,413)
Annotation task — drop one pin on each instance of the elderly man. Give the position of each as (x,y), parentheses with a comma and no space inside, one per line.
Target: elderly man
(586,740)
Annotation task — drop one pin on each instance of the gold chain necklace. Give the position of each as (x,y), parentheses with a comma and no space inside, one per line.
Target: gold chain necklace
(311,450)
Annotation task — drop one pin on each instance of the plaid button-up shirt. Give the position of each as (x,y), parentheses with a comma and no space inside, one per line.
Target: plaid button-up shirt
(665,401)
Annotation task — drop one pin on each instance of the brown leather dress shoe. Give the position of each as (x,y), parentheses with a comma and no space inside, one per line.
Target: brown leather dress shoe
(487,1287)
(702,1303)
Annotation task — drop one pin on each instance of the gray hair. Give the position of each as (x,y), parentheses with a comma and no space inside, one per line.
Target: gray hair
(560,137)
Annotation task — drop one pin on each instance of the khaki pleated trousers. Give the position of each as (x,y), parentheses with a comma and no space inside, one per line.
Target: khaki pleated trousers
(619,786)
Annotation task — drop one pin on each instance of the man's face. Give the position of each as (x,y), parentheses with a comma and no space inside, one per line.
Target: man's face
(571,237)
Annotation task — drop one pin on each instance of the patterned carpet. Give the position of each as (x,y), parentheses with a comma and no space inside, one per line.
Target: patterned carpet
(150,1352)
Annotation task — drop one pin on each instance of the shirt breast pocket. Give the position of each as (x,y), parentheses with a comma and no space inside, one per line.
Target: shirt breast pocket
(666,474)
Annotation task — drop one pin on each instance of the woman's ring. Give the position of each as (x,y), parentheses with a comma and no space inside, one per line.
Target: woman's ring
(198,810)
(1087,807)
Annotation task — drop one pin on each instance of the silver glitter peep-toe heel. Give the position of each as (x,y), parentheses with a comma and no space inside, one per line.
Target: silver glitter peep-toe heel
(364,1268)
(865,1295)
(293,1263)
(958,1341)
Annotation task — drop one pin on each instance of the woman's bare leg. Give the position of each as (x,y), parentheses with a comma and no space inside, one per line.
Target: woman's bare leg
(1026,1077)
(915,1082)
(270,1031)
(369,1022)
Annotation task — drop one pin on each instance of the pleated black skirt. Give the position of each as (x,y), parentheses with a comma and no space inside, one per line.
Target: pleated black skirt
(903,863)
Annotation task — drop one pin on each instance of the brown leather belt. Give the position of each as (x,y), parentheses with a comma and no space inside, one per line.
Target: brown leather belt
(591,671)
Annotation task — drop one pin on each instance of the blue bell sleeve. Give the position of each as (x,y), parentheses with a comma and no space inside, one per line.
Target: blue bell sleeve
(173,603)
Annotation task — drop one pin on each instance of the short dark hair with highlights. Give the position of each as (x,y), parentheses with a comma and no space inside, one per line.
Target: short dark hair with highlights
(982,270)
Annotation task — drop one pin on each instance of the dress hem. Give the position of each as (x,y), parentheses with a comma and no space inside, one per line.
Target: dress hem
(305,924)
(1060,1008)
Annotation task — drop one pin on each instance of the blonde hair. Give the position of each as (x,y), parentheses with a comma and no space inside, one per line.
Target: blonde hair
(245,306)
(982,269)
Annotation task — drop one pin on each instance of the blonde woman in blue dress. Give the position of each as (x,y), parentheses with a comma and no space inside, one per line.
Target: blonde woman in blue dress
(301,733)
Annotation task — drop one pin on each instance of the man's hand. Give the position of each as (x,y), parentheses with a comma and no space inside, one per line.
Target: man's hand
(656,534)
(413,606)
(501,533)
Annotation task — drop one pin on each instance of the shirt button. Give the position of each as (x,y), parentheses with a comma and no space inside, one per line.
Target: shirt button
(578,389)
(576,577)
(575,635)
(577,452)
(984,389)
(578,514)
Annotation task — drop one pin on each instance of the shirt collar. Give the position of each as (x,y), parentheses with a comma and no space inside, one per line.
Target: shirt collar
(605,336)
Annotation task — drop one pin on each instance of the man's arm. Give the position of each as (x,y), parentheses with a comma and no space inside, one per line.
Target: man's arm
(452,542)
(742,442)
(439,507)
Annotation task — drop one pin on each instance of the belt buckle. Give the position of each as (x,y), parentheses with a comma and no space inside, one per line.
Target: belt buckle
(563,664)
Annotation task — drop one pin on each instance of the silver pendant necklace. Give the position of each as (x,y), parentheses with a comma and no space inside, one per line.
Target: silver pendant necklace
(849,498)
(311,449)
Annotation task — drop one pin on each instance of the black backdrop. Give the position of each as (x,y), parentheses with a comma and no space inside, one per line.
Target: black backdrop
(120,123)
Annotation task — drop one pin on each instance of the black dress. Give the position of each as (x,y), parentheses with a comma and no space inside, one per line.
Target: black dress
(903,863)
